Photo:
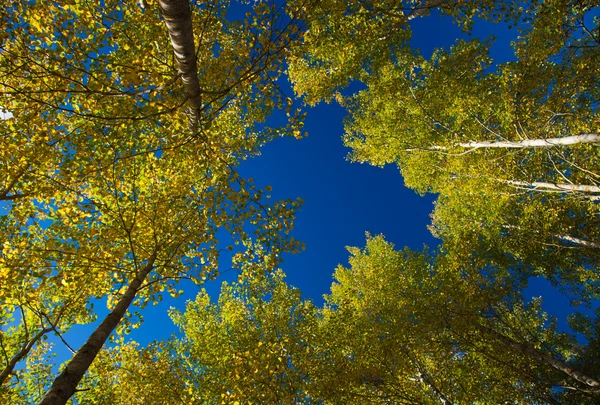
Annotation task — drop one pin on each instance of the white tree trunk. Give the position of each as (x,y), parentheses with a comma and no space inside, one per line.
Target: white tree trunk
(425,378)
(568,238)
(569,188)
(578,241)
(527,143)
(535,143)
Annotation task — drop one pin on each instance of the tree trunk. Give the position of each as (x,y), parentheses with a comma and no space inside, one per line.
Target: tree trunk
(579,241)
(425,378)
(542,357)
(535,143)
(589,191)
(568,238)
(527,143)
(178,18)
(583,188)
(65,384)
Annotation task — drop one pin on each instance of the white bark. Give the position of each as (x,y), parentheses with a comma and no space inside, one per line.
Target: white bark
(568,238)
(570,188)
(542,357)
(578,241)
(527,143)
(425,378)
(535,143)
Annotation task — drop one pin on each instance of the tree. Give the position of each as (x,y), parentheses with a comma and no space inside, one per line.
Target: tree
(407,327)
(399,327)
(108,194)
(112,189)
(462,121)
(263,328)
(251,346)
(509,148)
(527,235)
(346,41)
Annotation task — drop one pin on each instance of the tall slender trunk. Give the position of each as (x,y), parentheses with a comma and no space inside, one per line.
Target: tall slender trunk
(428,381)
(568,238)
(178,18)
(579,241)
(535,143)
(542,357)
(588,191)
(425,378)
(65,384)
(583,188)
(526,143)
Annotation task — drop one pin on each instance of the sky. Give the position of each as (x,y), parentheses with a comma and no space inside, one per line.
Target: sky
(342,200)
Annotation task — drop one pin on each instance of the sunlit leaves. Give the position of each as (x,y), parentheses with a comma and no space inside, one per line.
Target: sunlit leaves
(101,176)
(398,327)
(440,119)
(407,326)
(250,347)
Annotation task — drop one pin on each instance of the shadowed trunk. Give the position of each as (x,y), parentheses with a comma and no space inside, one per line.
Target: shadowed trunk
(425,378)
(542,357)
(65,384)
(178,18)
(568,238)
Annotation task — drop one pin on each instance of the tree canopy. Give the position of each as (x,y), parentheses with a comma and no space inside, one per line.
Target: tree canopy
(123,126)
(113,190)
(399,327)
